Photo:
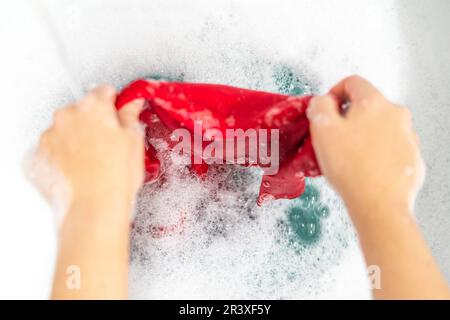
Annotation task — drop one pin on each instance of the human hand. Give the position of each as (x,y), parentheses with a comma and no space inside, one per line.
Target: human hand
(99,155)
(371,154)
(98,151)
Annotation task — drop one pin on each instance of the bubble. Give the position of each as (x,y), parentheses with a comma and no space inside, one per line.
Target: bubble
(310,197)
(304,224)
(288,82)
(322,211)
(50,181)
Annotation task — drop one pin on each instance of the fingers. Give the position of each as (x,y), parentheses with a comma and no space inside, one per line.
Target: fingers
(99,102)
(46,145)
(354,89)
(98,105)
(324,111)
(44,140)
(325,120)
(103,95)
(129,113)
(129,119)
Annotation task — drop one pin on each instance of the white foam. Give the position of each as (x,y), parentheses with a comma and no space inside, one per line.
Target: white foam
(230,247)
(50,181)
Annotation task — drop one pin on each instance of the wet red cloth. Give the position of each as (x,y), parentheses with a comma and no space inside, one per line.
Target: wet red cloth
(180,104)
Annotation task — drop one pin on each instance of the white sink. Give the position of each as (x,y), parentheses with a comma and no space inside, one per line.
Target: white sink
(402,46)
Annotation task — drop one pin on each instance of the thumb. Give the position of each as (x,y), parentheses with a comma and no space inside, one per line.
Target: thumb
(129,113)
(323,111)
(324,119)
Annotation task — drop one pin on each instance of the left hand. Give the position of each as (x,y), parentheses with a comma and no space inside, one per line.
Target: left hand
(98,151)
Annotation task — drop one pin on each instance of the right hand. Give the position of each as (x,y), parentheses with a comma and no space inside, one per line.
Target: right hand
(371,154)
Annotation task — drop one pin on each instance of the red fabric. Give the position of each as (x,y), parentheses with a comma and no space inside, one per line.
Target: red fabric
(179,104)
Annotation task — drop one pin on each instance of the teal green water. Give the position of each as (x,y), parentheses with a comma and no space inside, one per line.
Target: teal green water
(169,77)
(288,82)
(305,215)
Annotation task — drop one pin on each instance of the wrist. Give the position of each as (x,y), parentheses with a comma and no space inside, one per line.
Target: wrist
(371,211)
(100,210)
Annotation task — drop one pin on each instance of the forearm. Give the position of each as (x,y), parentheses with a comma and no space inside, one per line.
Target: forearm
(102,166)
(391,240)
(95,238)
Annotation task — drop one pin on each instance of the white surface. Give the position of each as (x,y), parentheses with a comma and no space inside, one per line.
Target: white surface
(402,46)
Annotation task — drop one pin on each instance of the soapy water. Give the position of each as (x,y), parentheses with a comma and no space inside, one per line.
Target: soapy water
(50,182)
(207,238)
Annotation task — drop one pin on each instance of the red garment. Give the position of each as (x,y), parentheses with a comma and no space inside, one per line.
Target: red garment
(179,104)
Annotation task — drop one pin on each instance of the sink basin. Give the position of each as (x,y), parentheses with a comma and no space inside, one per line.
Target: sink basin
(230,248)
